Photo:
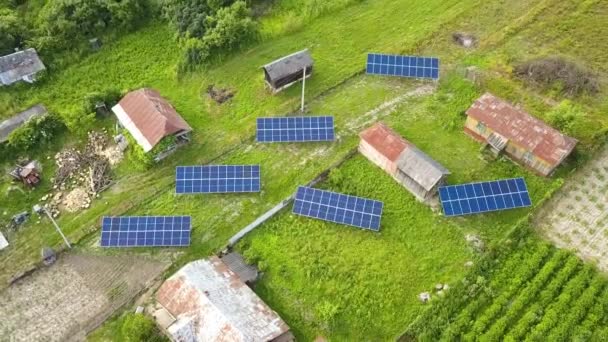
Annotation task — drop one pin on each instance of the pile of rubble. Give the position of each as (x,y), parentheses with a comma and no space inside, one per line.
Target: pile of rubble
(82,175)
(220,95)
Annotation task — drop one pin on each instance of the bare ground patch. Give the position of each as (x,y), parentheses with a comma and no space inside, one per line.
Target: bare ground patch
(72,297)
(577,216)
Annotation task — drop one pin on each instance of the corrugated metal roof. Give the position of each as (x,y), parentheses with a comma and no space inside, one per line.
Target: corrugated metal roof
(237,264)
(384,140)
(288,65)
(421,168)
(522,128)
(148,115)
(211,303)
(17,65)
(9,125)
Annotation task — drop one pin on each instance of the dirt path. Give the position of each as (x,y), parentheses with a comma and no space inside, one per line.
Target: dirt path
(577,216)
(72,297)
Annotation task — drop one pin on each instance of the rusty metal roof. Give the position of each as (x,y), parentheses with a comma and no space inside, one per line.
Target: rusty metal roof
(385,141)
(149,117)
(523,129)
(211,303)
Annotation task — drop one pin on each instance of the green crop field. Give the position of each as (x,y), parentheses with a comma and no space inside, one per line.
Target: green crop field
(329,280)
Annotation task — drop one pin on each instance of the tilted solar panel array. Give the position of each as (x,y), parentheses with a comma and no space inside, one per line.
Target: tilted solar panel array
(295,129)
(338,208)
(146,231)
(474,198)
(403,66)
(217,179)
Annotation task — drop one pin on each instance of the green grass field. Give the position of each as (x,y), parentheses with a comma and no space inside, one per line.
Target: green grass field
(326,279)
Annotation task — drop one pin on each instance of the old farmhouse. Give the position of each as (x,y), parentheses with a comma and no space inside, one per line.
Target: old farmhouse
(206,301)
(522,137)
(411,167)
(20,66)
(285,71)
(150,118)
(9,125)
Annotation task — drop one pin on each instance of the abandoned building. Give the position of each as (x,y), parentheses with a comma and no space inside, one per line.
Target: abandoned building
(285,71)
(20,66)
(411,167)
(522,137)
(206,301)
(9,125)
(150,118)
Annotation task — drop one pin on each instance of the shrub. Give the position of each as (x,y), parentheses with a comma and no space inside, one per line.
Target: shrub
(139,328)
(565,116)
(110,97)
(571,78)
(36,132)
(11,31)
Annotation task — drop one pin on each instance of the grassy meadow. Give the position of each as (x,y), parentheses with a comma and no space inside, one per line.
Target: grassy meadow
(324,279)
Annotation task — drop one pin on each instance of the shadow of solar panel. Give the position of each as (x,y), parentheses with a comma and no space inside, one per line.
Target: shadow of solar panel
(146,231)
(295,129)
(217,179)
(475,198)
(339,208)
(402,66)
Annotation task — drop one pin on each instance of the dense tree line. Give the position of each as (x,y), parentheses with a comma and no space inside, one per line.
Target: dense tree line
(65,24)
(206,27)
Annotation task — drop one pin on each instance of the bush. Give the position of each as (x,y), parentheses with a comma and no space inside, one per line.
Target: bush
(110,97)
(565,116)
(63,22)
(571,78)
(38,131)
(12,32)
(206,27)
(139,328)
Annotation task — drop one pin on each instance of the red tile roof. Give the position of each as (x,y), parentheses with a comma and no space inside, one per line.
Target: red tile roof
(522,128)
(385,141)
(153,116)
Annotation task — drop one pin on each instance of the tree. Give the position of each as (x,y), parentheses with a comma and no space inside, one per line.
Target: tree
(139,328)
(11,31)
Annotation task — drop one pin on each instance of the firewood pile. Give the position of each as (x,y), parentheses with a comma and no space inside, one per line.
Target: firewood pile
(81,175)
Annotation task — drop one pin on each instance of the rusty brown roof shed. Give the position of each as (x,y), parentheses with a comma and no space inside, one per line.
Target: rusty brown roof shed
(149,117)
(523,129)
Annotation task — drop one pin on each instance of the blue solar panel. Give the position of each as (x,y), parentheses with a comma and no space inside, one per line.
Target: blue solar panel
(295,129)
(402,66)
(475,198)
(145,231)
(339,208)
(217,179)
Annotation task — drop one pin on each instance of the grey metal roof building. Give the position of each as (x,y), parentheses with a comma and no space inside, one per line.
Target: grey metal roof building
(20,66)
(287,70)
(9,125)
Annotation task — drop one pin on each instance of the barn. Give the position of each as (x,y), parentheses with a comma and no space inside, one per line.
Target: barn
(408,165)
(522,137)
(287,70)
(150,118)
(206,301)
(20,66)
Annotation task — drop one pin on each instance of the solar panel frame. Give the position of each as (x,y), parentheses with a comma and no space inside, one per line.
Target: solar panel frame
(402,66)
(483,197)
(209,179)
(146,231)
(295,129)
(338,208)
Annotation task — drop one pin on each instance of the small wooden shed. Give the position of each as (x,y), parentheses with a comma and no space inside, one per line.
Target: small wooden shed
(408,165)
(287,70)
(522,137)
